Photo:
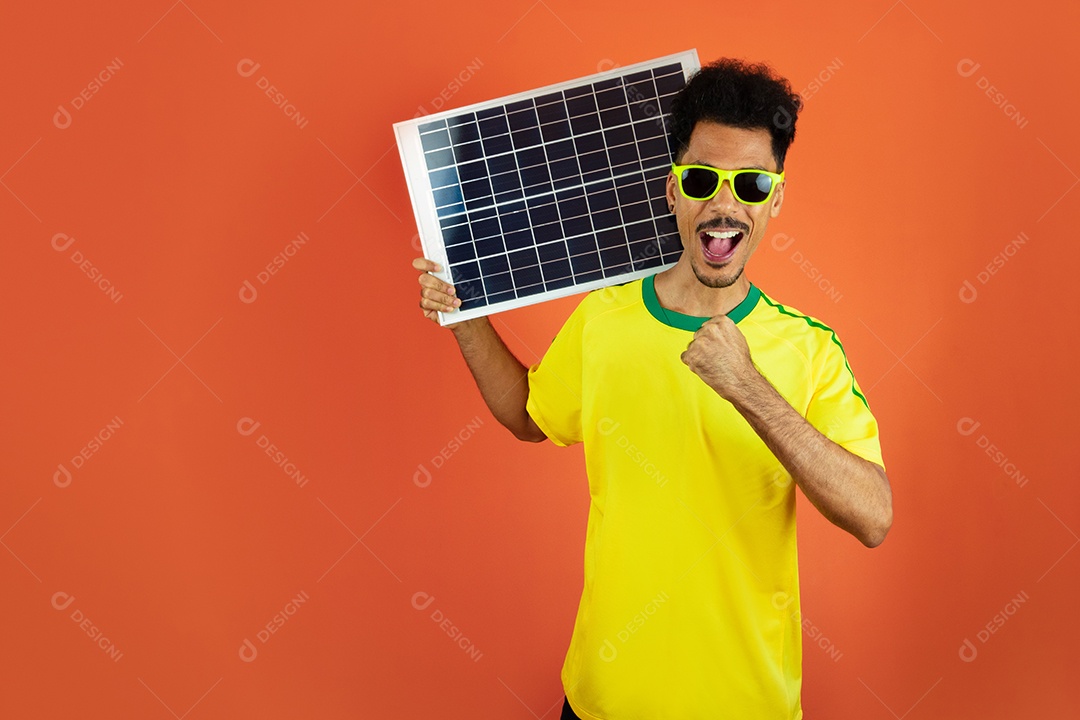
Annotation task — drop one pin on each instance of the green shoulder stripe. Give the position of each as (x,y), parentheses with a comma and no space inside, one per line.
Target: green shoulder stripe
(815,323)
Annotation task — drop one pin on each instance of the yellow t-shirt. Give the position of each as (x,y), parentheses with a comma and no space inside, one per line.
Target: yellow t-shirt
(690,607)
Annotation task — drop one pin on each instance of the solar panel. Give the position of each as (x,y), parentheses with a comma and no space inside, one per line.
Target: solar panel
(549,192)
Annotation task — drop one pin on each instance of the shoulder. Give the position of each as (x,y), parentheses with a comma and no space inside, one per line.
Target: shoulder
(808,332)
(608,302)
(818,342)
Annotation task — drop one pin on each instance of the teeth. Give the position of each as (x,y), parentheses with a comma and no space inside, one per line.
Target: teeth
(725,234)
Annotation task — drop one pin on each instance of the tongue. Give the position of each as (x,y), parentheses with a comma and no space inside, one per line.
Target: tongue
(719,246)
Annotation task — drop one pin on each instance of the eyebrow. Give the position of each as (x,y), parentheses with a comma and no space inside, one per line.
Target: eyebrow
(745,167)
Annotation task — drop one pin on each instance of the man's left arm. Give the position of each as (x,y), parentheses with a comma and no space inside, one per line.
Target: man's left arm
(851,492)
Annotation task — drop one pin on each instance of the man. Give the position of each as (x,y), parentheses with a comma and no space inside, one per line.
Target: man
(702,402)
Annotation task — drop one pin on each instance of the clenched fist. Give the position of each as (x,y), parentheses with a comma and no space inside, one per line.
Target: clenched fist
(719,355)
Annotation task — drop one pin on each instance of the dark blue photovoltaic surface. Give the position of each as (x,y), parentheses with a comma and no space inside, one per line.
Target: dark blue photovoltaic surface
(555,190)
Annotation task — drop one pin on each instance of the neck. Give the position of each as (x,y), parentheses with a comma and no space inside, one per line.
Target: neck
(678,289)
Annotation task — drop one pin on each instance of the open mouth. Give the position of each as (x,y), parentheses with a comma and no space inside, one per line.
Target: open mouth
(718,246)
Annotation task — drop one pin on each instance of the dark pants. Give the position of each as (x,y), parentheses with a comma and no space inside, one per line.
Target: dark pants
(567,712)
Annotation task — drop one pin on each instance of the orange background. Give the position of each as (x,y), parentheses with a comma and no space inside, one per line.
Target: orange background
(180,180)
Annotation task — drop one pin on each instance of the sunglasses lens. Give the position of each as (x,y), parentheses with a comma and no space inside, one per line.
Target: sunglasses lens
(752,187)
(698,183)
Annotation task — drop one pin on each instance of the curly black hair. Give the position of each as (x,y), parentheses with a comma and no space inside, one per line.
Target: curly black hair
(740,94)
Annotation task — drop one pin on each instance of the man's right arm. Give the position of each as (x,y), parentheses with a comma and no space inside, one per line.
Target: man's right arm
(501,377)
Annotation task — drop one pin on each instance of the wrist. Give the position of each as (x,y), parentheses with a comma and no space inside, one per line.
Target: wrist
(748,386)
(467,328)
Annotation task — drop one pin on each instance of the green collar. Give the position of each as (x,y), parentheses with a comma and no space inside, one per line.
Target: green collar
(691,322)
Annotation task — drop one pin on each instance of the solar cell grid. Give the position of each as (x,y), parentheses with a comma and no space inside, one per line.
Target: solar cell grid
(539,196)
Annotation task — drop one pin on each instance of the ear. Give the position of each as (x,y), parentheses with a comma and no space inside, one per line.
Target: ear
(777,200)
(672,189)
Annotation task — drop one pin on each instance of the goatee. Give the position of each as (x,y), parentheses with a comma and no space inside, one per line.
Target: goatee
(719,282)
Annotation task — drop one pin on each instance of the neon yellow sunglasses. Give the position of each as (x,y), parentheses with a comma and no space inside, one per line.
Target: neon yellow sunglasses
(750,187)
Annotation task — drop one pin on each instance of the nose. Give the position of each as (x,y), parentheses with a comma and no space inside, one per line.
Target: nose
(725,198)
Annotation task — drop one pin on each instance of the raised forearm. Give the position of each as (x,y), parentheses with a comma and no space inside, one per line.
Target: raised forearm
(501,377)
(851,492)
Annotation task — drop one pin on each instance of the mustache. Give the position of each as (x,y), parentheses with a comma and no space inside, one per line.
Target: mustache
(722,223)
